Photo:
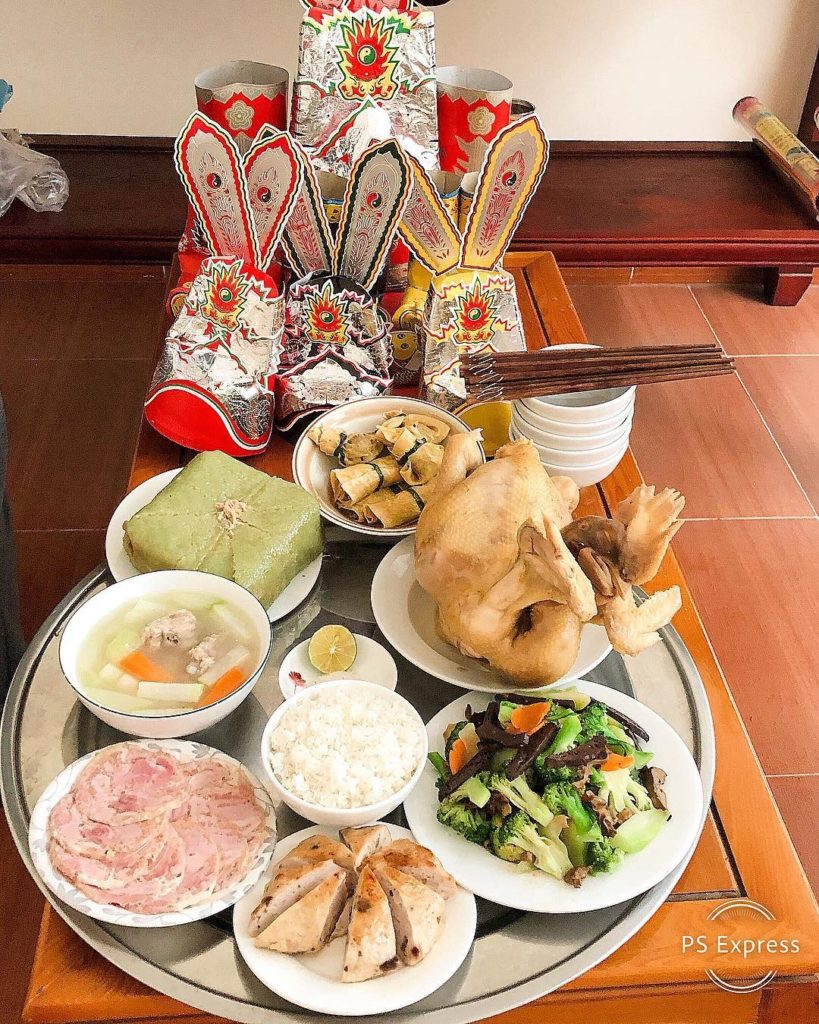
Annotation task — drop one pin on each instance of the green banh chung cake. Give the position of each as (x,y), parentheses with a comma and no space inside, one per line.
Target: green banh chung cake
(224,517)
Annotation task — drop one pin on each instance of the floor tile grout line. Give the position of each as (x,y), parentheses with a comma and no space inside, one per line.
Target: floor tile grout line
(793,775)
(756,407)
(748,519)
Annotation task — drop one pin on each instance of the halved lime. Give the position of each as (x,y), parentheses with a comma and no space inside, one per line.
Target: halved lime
(332,649)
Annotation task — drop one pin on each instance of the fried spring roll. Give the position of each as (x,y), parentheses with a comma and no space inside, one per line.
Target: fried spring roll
(354,483)
(427,427)
(419,460)
(349,449)
(396,506)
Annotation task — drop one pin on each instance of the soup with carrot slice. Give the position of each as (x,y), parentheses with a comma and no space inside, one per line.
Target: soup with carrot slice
(168,654)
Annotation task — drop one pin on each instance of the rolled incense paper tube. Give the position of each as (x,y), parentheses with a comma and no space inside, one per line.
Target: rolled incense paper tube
(790,157)
(474,104)
(242,96)
(354,483)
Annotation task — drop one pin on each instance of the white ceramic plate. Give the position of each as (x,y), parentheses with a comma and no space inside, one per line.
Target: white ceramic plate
(311,468)
(373,664)
(313,980)
(69,894)
(406,616)
(484,874)
(122,569)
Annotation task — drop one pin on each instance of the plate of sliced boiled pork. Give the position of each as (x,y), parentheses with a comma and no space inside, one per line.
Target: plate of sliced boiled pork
(152,833)
(356,922)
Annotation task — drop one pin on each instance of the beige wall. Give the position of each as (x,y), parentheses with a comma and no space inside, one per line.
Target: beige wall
(597,69)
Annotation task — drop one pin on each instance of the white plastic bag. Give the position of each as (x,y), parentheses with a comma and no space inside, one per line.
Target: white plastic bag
(33,177)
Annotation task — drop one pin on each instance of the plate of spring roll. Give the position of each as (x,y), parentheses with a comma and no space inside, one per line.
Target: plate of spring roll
(372,464)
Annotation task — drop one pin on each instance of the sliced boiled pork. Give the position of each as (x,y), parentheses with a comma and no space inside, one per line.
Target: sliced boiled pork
(144,830)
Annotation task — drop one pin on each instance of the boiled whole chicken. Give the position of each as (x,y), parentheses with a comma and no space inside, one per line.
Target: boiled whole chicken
(515,578)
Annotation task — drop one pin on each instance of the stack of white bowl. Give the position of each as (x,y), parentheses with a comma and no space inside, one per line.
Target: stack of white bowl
(582,435)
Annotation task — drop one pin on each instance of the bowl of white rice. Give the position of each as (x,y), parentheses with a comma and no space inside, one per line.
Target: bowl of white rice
(344,753)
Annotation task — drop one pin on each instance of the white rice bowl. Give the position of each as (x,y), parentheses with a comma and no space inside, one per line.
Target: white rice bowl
(344,749)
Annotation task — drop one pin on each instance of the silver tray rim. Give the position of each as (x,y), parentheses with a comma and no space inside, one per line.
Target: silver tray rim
(635,914)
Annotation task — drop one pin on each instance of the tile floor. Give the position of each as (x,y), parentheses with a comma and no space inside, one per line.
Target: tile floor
(745,452)
(76,352)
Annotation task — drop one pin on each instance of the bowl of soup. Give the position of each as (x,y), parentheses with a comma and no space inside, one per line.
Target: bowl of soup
(166,654)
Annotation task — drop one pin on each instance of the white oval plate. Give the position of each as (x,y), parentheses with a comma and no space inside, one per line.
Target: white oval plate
(122,568)
(373,664)
(313,980)
(68,893)
(406,616)
(479,871)
(311,468)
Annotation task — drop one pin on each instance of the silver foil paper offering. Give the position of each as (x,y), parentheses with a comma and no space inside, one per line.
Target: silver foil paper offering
(336,348)
(471,304)
(211,386)
(366,71)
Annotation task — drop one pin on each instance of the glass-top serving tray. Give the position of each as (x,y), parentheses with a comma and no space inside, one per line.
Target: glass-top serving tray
(516,957)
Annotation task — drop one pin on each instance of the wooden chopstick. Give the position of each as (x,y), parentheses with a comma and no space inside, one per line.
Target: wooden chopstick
(564,372)
(551,371)
(498,392)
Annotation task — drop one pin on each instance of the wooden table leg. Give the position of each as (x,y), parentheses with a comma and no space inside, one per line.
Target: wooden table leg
(785,286)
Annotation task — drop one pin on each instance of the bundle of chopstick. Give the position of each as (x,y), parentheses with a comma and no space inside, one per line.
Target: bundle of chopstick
(496,376)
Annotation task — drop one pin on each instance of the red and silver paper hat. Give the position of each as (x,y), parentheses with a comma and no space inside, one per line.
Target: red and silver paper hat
(337,345)
(213,387)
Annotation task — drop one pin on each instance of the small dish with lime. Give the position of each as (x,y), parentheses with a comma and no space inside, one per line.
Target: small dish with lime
(319,659)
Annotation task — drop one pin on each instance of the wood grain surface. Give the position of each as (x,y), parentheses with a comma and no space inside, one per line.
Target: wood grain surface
(605,203)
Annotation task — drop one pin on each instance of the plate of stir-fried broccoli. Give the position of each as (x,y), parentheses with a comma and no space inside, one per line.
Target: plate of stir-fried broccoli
(569,801)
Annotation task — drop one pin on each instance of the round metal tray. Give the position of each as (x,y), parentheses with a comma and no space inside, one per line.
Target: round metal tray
(516,957)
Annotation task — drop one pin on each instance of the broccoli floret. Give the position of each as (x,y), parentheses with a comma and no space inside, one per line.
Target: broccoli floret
(505,850)
(517,832)
(465,820)
(593,721)
(520,794)
(570,728)
(546,776)
(602,857)
(474,791)
(563,798)
(622,792)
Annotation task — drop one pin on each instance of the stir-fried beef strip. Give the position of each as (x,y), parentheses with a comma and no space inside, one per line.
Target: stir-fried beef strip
(520,698)
(499,805)
(586,753)
(637,731)
(490,729)
(480,762)
(525,757)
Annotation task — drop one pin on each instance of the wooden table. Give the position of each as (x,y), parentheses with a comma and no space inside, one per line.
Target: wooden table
(744,850)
